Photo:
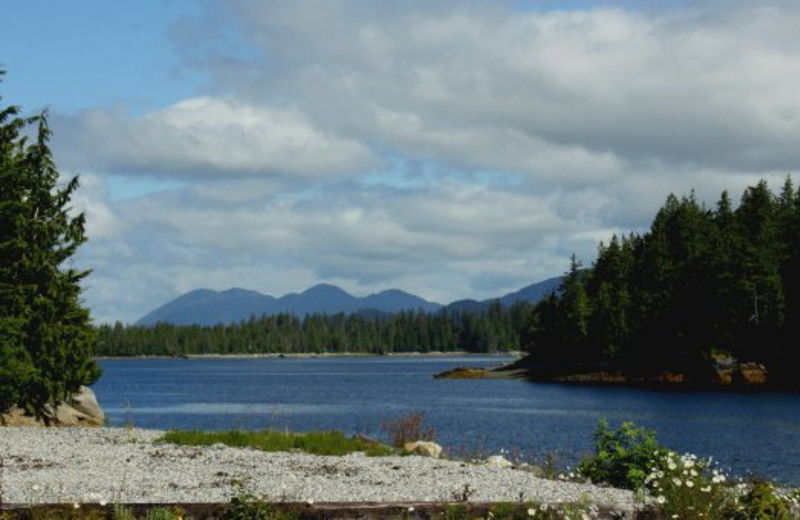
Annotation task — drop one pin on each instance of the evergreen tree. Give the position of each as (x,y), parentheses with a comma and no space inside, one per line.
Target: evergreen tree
(46,339)
(759,290)
(609,328)
(15,363)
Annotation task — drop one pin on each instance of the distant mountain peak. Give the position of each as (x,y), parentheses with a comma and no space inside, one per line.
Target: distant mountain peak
(326,289)
(208,307)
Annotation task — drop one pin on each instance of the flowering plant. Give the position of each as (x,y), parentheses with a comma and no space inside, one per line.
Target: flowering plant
(687,487)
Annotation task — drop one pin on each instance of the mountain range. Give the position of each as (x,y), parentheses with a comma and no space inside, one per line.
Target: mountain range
(207,307)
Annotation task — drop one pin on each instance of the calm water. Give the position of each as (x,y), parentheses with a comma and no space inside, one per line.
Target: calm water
(755,432)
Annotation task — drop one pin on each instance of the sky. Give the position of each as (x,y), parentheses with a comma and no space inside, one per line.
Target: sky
(450,148)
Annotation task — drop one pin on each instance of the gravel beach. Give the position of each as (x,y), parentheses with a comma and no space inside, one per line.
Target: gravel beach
(40,465)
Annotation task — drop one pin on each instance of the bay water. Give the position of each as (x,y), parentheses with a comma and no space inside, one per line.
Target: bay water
(749,433)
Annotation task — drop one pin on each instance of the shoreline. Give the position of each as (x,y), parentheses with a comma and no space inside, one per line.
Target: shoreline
(314,355)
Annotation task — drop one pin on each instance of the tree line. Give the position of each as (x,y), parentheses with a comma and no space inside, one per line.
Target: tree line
(701,284)
(496,329)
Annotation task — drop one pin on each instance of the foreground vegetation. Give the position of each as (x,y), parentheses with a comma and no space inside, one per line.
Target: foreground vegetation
(245,506)
(401,430)
(316,443)
(682,486)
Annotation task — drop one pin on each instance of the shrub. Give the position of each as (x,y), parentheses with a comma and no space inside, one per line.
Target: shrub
(246,506)
(763,502)
(687,487)
(408,428)
(164,513)
(623,458)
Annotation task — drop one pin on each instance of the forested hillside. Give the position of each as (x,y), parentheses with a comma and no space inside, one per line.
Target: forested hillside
(497,329)
(701,284)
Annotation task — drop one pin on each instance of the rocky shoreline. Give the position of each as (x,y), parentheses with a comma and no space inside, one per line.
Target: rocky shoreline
(117,465)
(724,374)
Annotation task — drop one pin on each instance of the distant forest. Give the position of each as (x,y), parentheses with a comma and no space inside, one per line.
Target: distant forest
(496,329)
(700,284)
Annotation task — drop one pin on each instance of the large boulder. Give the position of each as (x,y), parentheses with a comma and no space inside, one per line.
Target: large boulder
(425,448)
(86,403)
(82,410)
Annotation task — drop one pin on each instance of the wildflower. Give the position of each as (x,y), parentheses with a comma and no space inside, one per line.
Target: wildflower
(677,481)
(661,499)
(411,510)
(706,489)
(531,511)
(689,483)
(76,506)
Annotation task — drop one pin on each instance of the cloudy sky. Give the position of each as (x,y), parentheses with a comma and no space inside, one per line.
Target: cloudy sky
(460,148)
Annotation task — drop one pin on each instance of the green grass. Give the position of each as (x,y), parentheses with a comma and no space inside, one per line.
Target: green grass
(316,442)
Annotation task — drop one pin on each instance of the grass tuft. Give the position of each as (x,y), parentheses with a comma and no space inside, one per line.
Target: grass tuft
(316,443)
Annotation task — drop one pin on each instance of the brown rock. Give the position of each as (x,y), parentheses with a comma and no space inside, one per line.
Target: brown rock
(17,417)
(752,374)
(463,373)
(722,376)
(671,378)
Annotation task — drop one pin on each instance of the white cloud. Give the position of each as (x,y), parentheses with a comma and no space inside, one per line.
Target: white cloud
(215,138)
(520,137)
(705,85)
(92,200)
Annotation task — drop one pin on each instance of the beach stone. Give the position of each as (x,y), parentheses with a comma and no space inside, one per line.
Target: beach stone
(425,448)
(498,461)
